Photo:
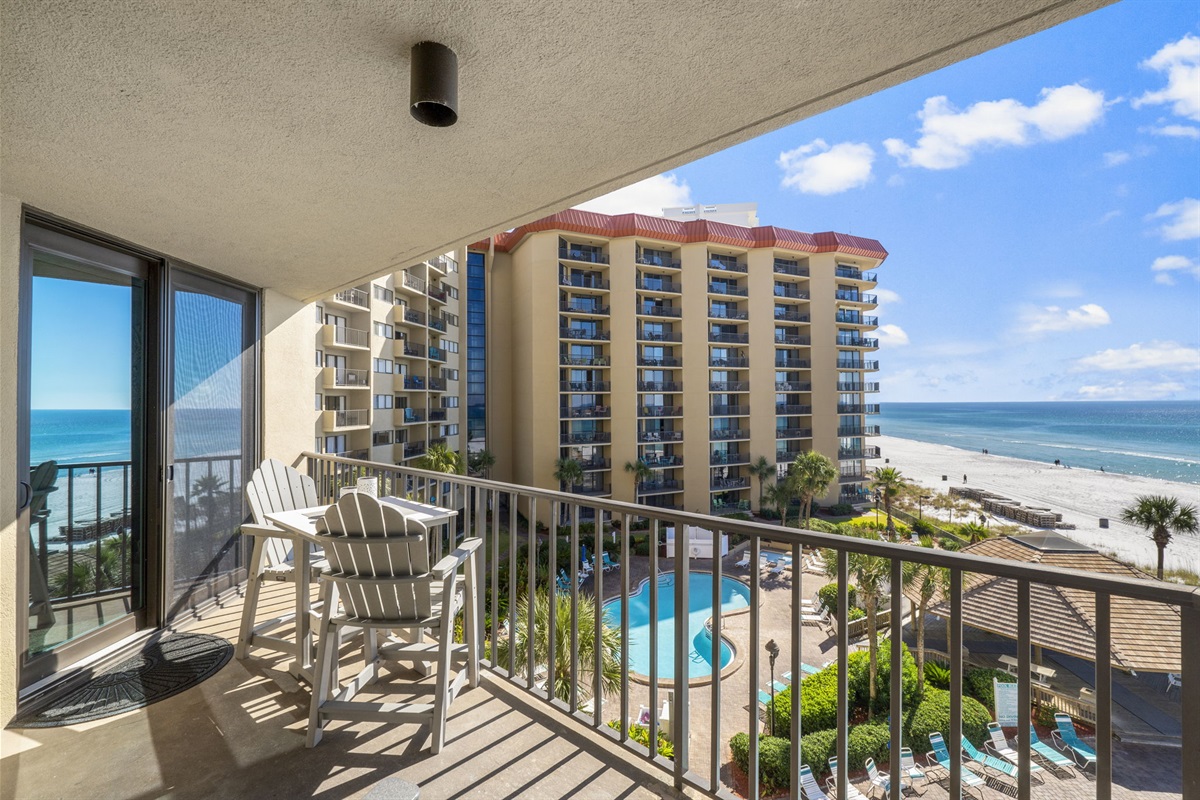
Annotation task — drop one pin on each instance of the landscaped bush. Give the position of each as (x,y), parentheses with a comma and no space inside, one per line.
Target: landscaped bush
(820,525)
(841,509)
(933,714)
(978,684)
(923,528)
(767,513)
(818,701)
(936,675)
(855,613)
(868,740)
(641,735)
(859,667)
(641,547)
(740,516)
(828,595)
(816,748)
(774,759)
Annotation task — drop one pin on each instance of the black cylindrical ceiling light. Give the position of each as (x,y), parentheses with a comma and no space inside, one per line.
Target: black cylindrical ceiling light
(433,85)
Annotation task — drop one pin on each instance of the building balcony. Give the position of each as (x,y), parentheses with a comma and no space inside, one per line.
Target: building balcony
(342,378)
(787,409)
(443,264)
(414,317)
(785,456)
(590,491)
(859,430)
(723,507)
(589,334)
(729,411)
(850,274)
(728,434)
(729,362)
(726,313)
(729,386)
(854,494)
(410,350)
(858,387)
(411,282)
(728,484)
(409,416)
(659,487)
(858,408)
(660,387)
(791,316)
(856,297)
(346,419)
(664,361)
(357,455)
(727,459)
(585,412)
(414,449)
(847,341)
(659,336)
(582,308)
(659,311)
(851,475)
(437,323)
(583,282)
(718,337)
(437,384)
(437,354)
(791,363)
(437,293)
(415,383)
(866,366)
(584,387)
(593,464)
(727,265)
(587,437)
(582,361)
(658,286)
(855,453)
(665,262)
(790,291)
(437,415)
(341,336)
(589,256)
(792,386)
(353,297)
(660,411)
(728,290)
(795,341)
(663,462)
(787,268)
(782,434)
(854,318)
(660,436)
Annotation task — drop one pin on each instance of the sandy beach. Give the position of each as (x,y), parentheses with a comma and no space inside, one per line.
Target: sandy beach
(1082,496)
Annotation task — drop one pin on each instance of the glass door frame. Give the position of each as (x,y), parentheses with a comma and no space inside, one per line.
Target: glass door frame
(45,234)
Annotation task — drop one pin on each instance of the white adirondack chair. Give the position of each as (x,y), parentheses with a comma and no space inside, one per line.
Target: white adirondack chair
(379,579)
(274,486)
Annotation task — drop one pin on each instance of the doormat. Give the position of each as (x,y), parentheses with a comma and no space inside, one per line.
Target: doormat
(162,669)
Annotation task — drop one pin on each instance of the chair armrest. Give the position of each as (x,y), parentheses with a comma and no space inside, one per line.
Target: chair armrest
(253,529)
(452,562)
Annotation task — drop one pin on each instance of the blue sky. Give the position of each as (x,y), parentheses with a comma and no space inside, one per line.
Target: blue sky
(1040,202)
(81,349)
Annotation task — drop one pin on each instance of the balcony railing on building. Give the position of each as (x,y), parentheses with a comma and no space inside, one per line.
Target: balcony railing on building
(349,377)
(412,415)
(847,453)
(783,267)
(584,387)
(657,260)
(437,323)
(857,387)
(350,337)
(410,281)
(585,412)
(792,409)
(719,484)
(437,384)
(414,449)
(729,386)
(660,436)
(856,297)
(854,274)
(355,297)
(728,289)
(659,487)
(724,459)
(866,366)
(414,316)
(793,433)
(660,387)
(594,334)
(729,362)
(728,410)
(586,437)
(787,456)
(652,310)
(858,408)
(437,415)
(414,350)
(787,338)
(792,386)
(583,361)
(854,318)
(857,430)
(438,293)
(790,316)
(414,382)
(857,341)
(594,463)
(581,307)
(659,336)
(348,418)
(660,411)
(592,256)
(590,490)
(728,338)
(653,361)
(790,363)
(851,474)
(662,462)
(726,264)
(721,507)
(728,313)
(655,285)
(725,434)
(583,282)
(787,290)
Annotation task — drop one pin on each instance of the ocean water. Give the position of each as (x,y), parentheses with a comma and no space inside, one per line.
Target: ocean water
(1153,439)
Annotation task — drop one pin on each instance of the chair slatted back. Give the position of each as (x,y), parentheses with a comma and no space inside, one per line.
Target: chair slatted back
(808,783)
(379,558)
(941,752)
(41,480)
(275,487)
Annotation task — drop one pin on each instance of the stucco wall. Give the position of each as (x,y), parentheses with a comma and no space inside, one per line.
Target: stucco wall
(11,582)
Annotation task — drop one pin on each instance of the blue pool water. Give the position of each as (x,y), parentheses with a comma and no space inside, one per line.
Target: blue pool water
(734,595)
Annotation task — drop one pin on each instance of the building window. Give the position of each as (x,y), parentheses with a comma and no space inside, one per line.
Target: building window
(384,366)
(381,437)
(318,408)
(450,402)
(383,401)
(320,313)
(383,329)
(451,347)
(476,352)
(382,293)
(320,357)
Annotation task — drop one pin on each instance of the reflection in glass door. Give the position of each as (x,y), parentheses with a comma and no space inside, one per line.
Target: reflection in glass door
(211,434)
(88,577)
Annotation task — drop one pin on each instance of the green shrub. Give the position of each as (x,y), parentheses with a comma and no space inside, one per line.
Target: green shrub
(855,613)
(828,595)
(768,513)
(867,523)
(933,714)
(978,684)
(641,735)
(923,528)
(816,748)
(821,526)
(936,675)
(1045,716)
(740,516)
(818,699)
(774,759)
(641,547)
(841,509)
(859,666)
(953,545)
(868,740)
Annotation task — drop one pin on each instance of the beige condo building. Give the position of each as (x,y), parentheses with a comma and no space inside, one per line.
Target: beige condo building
(694,346)
(388,365)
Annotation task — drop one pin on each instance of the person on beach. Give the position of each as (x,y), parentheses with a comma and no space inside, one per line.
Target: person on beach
(964,478)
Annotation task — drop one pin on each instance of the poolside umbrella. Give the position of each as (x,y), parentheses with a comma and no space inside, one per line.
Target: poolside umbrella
(1145,635)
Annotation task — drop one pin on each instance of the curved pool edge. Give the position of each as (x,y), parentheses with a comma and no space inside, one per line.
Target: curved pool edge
(737,658)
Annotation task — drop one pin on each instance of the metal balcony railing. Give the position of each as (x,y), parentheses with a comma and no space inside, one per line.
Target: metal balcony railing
(580,307)
(859,341)
(727,313)
(410,281)
(660,311)
(351,417)
(858,430)
(340,334)
(729,362)
(584,387)
(437,293)
(356,297)
(791,408)
(858,408)
(350,377)
(592,464)
(659,336)
(438,324)
(729,289)
(790,316)
(660,411)
(660,387)
(787,290)
(412,415)
(792,386)
(414,316)
(725,434)
(724,410)
(437,384)
(659,487)
(414,350)
(728,338)
(854,318)
(655,285)
(790,268)
(437,354)
(726,265)
(793,433)
(593,334)
(787,338)
(579,254)
(656,260)
(867,366)
(583,361)
(583,282)
(587,437)
(491,511)
(414,382)
(437,415)
(664,361)
(662,462)
(724,484)
(858,387)
(413,449)
(723,459)
(787,456)
(729,386)
(585,412)
(854,274)
(791,363)
(856,297)
(660,436)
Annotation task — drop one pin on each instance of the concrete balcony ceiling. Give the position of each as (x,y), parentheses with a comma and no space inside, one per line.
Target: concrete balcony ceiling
(268,141)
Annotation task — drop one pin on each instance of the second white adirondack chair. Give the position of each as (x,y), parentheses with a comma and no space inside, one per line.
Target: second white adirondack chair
(274,486)
(379,579)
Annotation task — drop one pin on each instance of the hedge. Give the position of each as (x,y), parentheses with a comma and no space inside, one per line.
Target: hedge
(978,684)
(933,714)
(641,735)
(859,673)
(775,757)
(828,595)
(868,740)
(820,525)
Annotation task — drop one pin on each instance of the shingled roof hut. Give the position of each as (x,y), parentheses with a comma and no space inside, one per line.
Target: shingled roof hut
(1145,635)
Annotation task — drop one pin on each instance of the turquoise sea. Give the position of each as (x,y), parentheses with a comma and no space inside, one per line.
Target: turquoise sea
(1156,439)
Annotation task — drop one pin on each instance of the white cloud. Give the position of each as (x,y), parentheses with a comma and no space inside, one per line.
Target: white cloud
(1136,391)
(1109,216)
(817,168)
(1155,355)
(949,136)
(1116,158)
(1179,131)
(1181,62)
(887,296)
(892,336)
(1182,220)
(649,197)
(1165,267)
(1052,319)
(1059,289)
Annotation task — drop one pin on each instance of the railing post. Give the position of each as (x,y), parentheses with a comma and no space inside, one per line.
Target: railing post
(1024,701)
(679,704)
(843,690)
(897,678)
(752,766)
(625,570)
(653,584)
(1104,697)
(954,637)
(1189,621)
(797,660)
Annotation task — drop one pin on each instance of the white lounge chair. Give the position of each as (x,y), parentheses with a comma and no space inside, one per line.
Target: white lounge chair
(820,618)
(878,779)
(379,579)
(831,783)
(908,766)
(745,561)
(809,786)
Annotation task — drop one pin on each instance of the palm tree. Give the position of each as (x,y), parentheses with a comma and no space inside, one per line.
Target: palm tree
(924,582)
(641,473)
(569,472)
(1162,516)
(889,483)
(205,491)
(481,462)
(871,575)
(584,656)
(974,532)
(812,473)
(439,458)
(780,494)
(762,469)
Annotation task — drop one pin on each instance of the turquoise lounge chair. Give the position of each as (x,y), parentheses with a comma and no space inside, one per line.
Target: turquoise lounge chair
(764,698)
(1068,738)
(606,562)
(1000,765)
(941,755)
(1047,752)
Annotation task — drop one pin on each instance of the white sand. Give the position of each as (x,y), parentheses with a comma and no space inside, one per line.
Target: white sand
(1082,496)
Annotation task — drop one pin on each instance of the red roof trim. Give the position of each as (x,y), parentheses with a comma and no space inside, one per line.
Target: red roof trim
(591,223)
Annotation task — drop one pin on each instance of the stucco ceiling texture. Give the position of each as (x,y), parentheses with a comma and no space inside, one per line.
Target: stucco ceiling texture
(272,141)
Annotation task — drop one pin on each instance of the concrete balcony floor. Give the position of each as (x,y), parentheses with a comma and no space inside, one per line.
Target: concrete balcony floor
(241,734)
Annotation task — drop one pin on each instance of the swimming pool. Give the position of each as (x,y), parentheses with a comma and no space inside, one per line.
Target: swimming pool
(734,595)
